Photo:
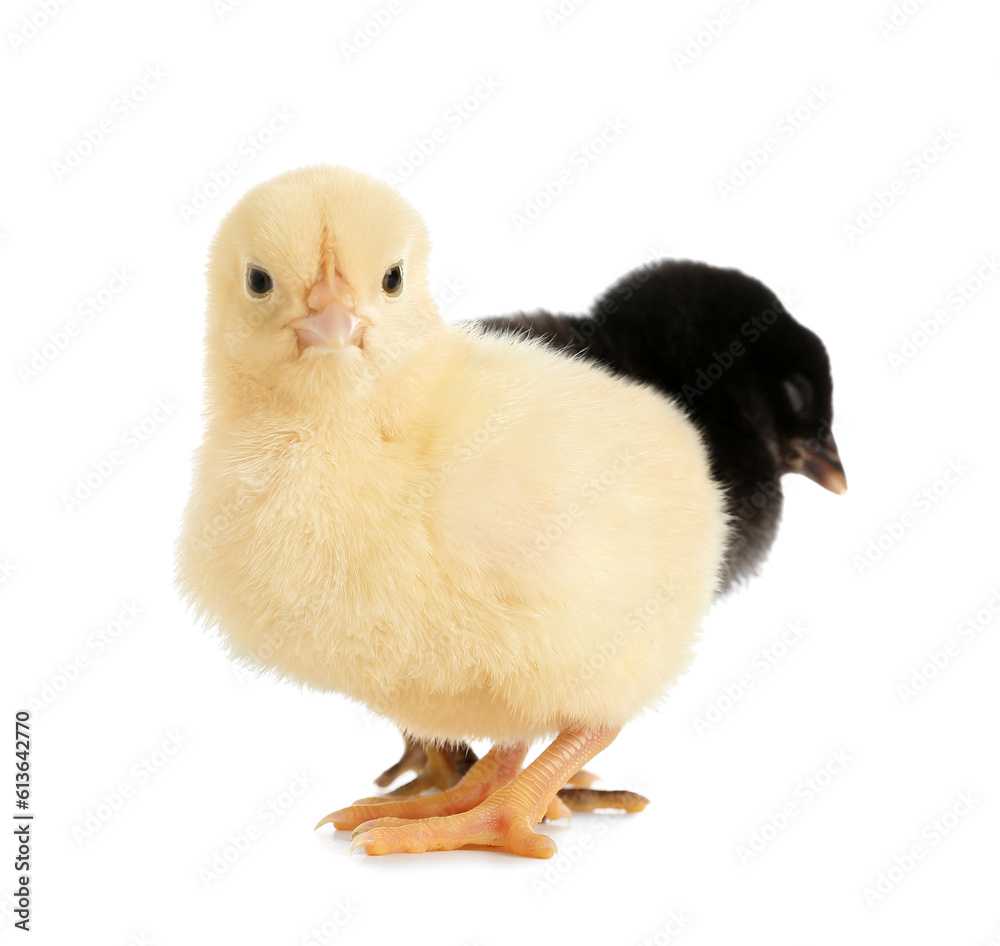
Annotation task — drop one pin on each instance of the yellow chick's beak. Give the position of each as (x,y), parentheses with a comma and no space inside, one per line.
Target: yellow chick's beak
(332,321)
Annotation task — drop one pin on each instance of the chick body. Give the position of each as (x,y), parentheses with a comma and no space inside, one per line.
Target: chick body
(532,547)
(473,534)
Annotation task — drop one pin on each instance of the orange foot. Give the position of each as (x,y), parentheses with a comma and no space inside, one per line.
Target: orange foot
(492,771)
(506,818)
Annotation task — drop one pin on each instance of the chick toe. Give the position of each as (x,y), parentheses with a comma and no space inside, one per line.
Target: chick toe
(489,824)
(558,810)
(592,799)
(492,771)
(582,779)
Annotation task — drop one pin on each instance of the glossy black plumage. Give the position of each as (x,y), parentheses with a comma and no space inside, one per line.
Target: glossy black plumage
(755,381)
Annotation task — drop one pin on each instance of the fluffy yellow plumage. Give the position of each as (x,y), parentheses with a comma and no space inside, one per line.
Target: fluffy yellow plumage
(471,534)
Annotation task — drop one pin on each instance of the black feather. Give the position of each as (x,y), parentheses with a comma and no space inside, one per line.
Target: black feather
(722,345)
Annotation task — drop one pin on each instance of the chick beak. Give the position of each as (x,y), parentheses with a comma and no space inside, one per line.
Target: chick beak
(820,462)
(332,321)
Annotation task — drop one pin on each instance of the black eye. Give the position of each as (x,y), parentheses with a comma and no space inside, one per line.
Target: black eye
(800,394)
(392,281)
(258,281)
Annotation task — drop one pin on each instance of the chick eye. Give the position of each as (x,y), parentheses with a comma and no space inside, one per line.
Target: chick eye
(392,281)
(800,394)
(258,281)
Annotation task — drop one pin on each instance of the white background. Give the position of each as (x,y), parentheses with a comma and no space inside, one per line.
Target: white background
(546,88)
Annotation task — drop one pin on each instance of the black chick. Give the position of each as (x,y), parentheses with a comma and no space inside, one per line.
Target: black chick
(755,381)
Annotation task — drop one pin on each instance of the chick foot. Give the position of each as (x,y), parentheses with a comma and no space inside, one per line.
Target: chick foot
(492,771)
(437,767)
(504,819)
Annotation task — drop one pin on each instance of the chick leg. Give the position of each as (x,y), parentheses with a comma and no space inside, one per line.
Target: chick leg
(437,767)
(413,759)
(492,771)
(506,818)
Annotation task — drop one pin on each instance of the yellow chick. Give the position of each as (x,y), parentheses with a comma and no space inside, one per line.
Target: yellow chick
(473,535)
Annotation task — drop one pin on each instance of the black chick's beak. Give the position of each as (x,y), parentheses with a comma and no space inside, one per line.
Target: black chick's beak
(819,461)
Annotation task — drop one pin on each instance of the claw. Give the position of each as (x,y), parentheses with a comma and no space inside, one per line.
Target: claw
(333,818)
(362,841)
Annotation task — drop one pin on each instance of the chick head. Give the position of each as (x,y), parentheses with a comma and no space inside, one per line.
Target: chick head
(318,276)
(793,368)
